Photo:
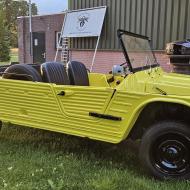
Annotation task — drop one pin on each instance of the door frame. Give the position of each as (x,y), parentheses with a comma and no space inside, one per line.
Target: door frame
(33,34)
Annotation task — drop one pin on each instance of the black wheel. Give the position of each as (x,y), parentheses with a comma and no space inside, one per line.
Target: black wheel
(165,150)
(22,72)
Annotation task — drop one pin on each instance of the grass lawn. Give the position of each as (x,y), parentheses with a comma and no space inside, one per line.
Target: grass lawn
(33,159)
(14,57)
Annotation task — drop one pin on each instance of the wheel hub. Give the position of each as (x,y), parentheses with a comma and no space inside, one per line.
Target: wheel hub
(171,154)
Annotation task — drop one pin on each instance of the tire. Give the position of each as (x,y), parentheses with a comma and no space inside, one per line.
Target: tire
(78,74)
(165,150)
(54,72)
(24,71)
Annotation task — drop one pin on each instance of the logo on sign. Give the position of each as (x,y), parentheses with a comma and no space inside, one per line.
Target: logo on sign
(82,21)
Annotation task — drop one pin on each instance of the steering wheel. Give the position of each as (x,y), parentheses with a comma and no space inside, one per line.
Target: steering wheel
(125,66)
(88,70)
(123,63)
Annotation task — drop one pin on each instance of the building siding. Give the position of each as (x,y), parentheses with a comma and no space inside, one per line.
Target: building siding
(161,20)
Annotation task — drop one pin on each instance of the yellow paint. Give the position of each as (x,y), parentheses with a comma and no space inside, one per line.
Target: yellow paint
(38,105)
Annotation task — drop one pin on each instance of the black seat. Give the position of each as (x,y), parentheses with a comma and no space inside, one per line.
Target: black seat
(78,74)
(54,72)
(22,72)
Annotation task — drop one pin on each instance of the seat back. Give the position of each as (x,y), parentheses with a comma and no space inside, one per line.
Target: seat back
(54,72)
(22,72)
(78,74)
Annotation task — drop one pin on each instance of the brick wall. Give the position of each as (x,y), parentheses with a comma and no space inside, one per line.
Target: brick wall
(50,24)
(106,59)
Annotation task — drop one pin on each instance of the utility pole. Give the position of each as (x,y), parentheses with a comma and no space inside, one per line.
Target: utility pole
(30,31)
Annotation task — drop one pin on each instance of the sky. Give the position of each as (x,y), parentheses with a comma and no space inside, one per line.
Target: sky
(50,6)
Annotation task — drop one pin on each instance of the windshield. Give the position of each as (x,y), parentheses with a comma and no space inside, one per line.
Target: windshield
(139,52)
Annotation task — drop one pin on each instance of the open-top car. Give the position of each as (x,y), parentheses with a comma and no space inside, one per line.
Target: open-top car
(137,100)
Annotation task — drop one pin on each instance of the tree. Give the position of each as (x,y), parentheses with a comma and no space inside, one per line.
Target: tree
(4,39)
(13,9)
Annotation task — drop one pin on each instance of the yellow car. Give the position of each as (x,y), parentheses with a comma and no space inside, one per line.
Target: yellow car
(137,100)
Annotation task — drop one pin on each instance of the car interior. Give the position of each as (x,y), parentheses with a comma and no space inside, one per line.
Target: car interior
(76,73)
(49,72)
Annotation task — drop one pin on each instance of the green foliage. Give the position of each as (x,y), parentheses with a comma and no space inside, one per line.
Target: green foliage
(33,159)
(12,10)
(13,58)
(4,39)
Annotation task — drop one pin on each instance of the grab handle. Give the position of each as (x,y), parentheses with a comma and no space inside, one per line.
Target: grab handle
(66,93)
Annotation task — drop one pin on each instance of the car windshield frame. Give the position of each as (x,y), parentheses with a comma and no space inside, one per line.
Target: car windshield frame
(132,69)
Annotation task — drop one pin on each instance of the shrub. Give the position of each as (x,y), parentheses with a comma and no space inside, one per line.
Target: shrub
(4,40)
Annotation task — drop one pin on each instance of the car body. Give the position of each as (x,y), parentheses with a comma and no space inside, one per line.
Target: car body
(106,110)
(178,48)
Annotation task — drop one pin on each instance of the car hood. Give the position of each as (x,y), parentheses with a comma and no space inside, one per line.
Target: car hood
(170,83)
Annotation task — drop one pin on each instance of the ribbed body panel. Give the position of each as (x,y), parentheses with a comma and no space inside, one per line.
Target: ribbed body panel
(45,106)
(38,105)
